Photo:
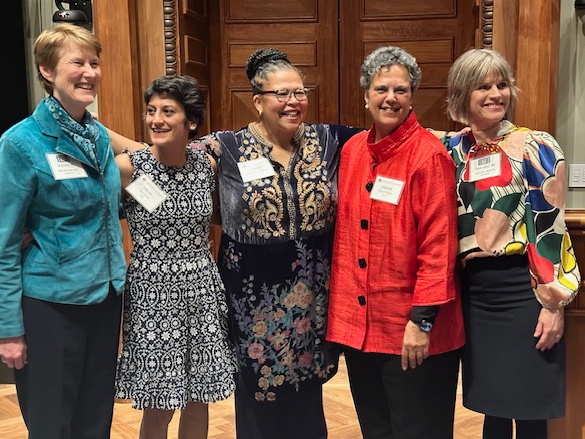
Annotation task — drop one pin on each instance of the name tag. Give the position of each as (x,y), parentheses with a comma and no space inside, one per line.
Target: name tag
(387,190)
(146,192)
(255,169)
(64,167)
(485,167)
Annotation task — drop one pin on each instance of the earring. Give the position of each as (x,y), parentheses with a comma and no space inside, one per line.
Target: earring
(366,106)
(192,127)
(260,114)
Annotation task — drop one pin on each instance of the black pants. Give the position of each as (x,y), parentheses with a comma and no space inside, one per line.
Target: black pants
(299,416)
(66,391)
(394,404)
(500,428)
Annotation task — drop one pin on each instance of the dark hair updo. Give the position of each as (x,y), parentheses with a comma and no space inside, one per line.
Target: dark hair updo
(265,61)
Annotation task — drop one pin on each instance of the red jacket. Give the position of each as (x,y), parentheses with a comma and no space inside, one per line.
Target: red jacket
(388,258)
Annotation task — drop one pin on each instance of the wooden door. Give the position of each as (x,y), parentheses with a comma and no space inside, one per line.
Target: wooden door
(306,30)
(328,40)
(191,56)
(435,32)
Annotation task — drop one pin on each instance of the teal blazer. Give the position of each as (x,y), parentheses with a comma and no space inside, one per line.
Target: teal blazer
(77,251)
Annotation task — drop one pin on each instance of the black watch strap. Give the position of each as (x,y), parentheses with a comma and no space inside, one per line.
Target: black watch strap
(424,325)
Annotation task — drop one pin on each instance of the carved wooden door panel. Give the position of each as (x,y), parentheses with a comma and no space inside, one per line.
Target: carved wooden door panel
(328,40)
(305,29)
(435,32)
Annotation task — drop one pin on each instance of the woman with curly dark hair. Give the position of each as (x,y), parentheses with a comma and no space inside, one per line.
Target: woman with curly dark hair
(278,196)
(176,353)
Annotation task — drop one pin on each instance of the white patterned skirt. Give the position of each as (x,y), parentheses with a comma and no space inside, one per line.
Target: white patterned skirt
(175,337)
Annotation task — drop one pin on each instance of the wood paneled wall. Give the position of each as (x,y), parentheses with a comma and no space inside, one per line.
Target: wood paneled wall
(526,32)
(572,426)
(142,41)
(306,30)
(434,32)
(119,96)
(193,45)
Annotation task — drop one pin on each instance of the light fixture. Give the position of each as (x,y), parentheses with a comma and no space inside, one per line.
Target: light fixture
(79,13)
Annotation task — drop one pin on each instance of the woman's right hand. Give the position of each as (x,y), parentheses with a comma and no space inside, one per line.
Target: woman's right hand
(27,238)
(13,352)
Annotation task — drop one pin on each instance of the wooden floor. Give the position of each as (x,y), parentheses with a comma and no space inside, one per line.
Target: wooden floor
(339,411)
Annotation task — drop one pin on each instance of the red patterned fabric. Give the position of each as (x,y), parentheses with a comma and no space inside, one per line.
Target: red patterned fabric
(409,249)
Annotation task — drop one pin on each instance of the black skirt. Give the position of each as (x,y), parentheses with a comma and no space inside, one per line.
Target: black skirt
(504,375)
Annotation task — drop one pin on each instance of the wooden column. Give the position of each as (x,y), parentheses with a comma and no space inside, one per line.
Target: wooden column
(119,95)
(526,32)
(118,100)
(572,426)
(537,56)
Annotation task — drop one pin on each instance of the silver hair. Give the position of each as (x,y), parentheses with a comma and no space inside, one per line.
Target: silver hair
(388,56)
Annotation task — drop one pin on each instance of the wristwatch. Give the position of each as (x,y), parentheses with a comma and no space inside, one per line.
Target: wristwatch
(424,325)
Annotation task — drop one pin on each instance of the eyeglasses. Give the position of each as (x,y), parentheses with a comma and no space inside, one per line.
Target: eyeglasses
(285,95)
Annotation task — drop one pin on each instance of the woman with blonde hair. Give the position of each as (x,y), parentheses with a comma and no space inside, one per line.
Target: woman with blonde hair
(519,270)
(60,297)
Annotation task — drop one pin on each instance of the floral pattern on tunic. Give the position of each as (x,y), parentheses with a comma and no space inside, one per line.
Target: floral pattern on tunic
(275,256)
(295,201)
(279,336)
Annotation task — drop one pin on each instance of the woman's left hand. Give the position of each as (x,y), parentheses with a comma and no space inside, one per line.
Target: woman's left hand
(415,346)
(550,327)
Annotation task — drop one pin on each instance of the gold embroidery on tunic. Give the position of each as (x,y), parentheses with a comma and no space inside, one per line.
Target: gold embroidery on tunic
(313,197)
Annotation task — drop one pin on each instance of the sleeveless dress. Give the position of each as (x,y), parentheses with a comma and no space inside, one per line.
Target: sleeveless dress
(175,337)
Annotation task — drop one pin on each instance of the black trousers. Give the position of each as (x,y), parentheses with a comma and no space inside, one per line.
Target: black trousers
(299,416)
(66,391)
(394,404)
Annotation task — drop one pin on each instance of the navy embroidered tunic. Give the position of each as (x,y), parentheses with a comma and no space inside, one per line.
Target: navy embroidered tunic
(275,256)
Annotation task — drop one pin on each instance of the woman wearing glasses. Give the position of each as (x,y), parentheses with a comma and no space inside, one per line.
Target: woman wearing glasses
(278,191)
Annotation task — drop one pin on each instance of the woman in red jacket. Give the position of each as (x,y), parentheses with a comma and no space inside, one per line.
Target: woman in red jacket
(394,305)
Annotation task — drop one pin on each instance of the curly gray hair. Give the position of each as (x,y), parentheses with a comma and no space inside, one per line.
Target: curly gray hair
(389,56)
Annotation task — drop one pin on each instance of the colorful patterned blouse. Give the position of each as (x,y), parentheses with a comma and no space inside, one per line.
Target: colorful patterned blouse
(519,211)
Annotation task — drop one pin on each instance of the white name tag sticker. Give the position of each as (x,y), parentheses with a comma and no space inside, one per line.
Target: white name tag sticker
(64,167)
(485,167)
(387,189)
(146,192)
(255,169)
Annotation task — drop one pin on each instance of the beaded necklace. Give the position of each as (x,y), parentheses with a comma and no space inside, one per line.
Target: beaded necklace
(491,146)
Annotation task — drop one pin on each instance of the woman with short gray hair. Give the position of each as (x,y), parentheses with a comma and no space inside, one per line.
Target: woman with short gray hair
(393,305)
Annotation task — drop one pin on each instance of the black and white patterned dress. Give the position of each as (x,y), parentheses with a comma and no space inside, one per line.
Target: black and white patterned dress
(175,343)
